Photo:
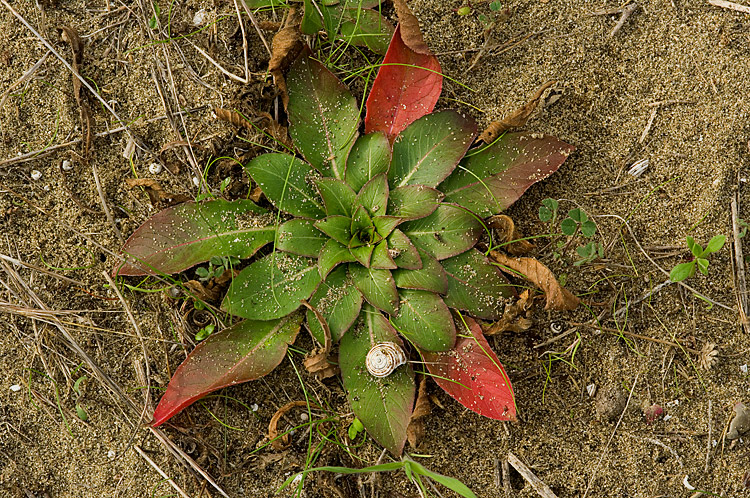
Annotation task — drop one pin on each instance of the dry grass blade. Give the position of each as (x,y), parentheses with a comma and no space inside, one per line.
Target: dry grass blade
(539,486)
(739,265)
(516,119)
(70,35)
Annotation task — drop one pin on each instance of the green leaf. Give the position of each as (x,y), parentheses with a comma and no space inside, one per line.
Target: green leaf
(370,156)
(476,286)
(377,286)
(568,227)
(403,252)
(384,405)
(338,301)
(715,244)
(412,202)
(374,195)
(355,428)
(682,271)
(578,215)
(336,227)
(425,320)
(300,237)
(286,181)
(385,224)
(363,254)
(271,287)
(545,214)
(323,116)
(338,197)
(702,265)
(366,28)
(588,228)
(333,254)
(551,204)
(491,178)
(311,22)
(188,234)
(447,232)
(362,223)
(428,150)
(381,259)
(243,352)
(431,277)
(694,247)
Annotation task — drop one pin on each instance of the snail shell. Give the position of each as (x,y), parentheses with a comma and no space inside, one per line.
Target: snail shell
(383,358)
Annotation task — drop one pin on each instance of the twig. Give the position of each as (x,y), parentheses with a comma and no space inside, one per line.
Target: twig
(645,296)
(609,441)
(730,5)
(536,483)
(103,200)
(739,264)
(648,125)
(256,26)
(673,452)
(627,11)
(37,154)
(708,443)
(506,479)
(161,472)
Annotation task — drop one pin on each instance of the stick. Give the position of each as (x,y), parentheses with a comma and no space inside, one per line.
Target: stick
(648,125)
(739,264)
(627,11)
(161,472)
(506,480)
(730,5)
(708,443)
(532,479)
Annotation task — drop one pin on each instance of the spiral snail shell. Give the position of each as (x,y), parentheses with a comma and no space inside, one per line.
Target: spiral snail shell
(383,358)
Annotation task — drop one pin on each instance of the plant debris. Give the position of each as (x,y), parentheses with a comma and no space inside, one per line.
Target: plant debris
(422,408)
(516,119)
(156,193)
(285,47)
(740,424)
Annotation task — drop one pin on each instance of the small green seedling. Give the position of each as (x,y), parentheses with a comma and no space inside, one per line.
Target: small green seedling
(205,332)
(79,409)
(700,261)
(576,222)
(217,265)
(355,429)
(589,253)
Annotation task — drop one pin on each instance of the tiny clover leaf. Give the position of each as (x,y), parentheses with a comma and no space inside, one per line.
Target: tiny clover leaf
(373,228)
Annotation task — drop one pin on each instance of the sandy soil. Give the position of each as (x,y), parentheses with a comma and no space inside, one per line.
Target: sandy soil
(670,86)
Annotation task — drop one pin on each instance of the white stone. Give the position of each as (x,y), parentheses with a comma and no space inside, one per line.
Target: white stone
(15,388)
(36,175)
(199,18)
(154,168)
(67,165)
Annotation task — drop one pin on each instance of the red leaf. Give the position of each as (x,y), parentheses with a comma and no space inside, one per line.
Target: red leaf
(406,88)
(243,352)
(472,374)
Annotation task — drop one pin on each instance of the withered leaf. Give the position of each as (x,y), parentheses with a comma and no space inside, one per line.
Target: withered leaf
(70,35)
(422,408)
(316,362)
(285,47)
(257,120)
(516,119)
(156,194)
(516,316)
(506,232)
(203,292)
(410,32)
(279,443)
(558,298)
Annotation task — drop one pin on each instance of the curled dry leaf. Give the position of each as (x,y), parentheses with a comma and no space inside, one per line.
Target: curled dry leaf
(507,233)
(516,316)
(410,32)
(285,47)
(516,119)
(156,194)
(316,362)
(257,121)
(279,443)
(70,35)
(558,298)
(415,430)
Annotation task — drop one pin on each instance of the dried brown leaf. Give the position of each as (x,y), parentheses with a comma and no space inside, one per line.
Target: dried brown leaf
(156,194)
(285,47)
(203,292)
(516,316)
(279,443)
(410,32)
(516,119)
(70,35)
(506,232)
(316,362)
(558,298)
(422,408)
(256,121)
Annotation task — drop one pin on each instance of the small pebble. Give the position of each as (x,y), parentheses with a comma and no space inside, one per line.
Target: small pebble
(15,388)
(67,165)
(666,417)
(111,454)
(199,18)
(743,368)
(154,168)
(36,175)
(610,402)
(303,417)
(591,389)
(196,181)
(254,407)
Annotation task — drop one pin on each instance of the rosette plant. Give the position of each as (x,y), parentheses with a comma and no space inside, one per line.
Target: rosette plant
(374,231)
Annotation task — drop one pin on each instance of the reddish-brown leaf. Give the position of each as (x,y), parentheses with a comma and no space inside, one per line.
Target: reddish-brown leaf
(472,374)
(243,352)
(406,88)
(410,31)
